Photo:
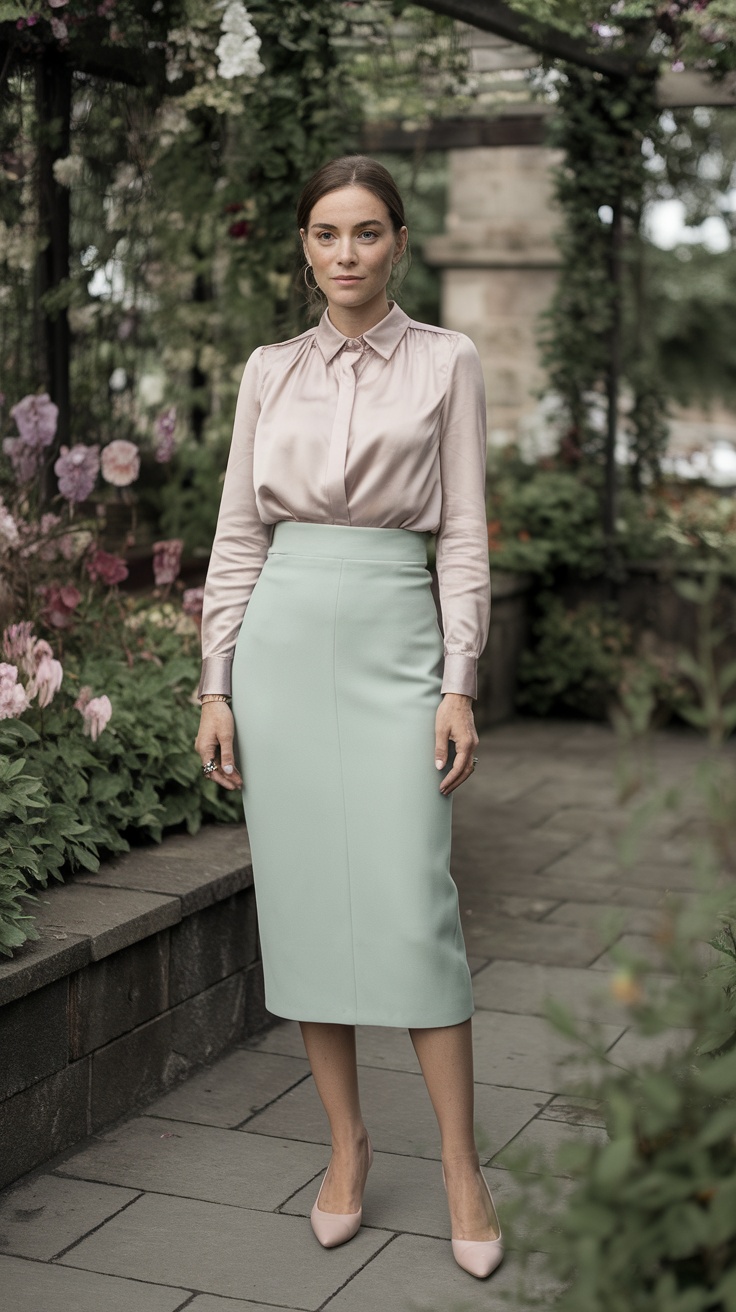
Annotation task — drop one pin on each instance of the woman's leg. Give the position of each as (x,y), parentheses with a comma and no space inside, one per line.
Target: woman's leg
(331,1053)
(446,1058)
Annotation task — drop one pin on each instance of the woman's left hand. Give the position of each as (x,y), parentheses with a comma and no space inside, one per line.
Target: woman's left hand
(455,721)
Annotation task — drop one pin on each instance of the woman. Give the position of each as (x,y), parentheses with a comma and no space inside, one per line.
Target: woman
(351,726)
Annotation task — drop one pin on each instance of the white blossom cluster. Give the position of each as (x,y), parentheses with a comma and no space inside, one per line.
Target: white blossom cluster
(237,49)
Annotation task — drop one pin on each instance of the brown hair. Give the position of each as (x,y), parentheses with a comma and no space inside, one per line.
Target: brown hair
(351,171)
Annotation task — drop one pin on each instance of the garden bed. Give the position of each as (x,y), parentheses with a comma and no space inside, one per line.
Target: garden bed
(144,971)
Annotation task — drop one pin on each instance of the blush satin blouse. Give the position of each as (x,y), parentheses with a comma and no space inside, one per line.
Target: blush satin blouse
(386,430)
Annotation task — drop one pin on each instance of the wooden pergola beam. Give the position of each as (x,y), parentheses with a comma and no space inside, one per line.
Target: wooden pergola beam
(498,17)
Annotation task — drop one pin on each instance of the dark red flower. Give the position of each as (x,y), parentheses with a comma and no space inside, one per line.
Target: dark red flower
(239,229)
(107,568)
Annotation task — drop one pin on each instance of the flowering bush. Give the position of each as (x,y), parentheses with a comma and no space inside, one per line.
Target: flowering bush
(97,712)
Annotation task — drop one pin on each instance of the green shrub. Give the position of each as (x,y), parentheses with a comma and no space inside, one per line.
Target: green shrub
(577,658)
(68,801)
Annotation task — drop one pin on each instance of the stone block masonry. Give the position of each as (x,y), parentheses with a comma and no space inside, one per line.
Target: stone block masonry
(144,972)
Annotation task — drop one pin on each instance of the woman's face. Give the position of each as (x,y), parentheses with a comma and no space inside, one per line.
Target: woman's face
(352,246)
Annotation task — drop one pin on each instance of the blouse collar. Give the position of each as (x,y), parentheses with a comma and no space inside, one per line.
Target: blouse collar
(383,337)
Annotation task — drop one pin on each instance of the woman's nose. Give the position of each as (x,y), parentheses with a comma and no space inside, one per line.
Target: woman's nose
(346,252)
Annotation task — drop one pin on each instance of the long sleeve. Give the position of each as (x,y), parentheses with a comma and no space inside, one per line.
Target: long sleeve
(463,572)
(240,545)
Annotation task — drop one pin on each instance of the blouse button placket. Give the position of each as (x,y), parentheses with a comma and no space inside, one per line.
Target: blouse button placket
(336,493)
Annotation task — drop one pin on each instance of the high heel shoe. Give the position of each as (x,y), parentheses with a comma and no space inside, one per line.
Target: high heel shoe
(334,1228)
(479,1257)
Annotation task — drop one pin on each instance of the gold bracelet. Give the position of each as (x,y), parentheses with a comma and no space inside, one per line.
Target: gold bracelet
(214,697)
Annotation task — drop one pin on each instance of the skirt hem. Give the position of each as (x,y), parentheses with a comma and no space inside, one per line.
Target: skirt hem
(286,1013)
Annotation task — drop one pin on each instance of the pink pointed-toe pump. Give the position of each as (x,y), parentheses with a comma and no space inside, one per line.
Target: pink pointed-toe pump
(479,1257)
(335,1228)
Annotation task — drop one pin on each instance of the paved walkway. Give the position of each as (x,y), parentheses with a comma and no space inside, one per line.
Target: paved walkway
(201,1201)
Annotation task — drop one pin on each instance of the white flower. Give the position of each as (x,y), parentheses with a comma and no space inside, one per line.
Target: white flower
(68,170)
(237,49)
(238,58)
(9,535)
(236,19)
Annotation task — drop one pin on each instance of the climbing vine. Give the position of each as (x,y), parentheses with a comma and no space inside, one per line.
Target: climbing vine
(594,334)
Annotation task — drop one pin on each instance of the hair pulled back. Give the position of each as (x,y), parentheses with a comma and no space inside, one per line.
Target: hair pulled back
(351,171)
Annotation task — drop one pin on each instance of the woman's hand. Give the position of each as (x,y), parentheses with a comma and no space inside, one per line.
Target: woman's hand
(215,743)
(455,721)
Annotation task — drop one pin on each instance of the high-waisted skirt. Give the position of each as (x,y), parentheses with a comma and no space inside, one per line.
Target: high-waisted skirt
(336,684)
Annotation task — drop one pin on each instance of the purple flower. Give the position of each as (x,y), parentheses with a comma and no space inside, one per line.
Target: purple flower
(192,602)
(36,418)
(164,428)
(77,471)
(167,561)
(25,459)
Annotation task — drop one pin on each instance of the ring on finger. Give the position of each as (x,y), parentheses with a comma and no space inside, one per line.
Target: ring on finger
(209,768)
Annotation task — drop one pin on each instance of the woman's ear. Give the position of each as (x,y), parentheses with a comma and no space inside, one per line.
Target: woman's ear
(303,236)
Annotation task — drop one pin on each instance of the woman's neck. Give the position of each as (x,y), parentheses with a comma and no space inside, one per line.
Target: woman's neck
(352,321)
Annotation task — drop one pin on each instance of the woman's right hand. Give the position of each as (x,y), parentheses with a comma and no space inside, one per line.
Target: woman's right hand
(214,742)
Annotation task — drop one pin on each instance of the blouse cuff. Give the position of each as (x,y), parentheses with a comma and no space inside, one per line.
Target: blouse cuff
(216,675)
(460,674)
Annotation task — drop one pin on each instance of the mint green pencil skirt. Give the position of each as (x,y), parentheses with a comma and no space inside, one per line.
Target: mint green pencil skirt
(336,683)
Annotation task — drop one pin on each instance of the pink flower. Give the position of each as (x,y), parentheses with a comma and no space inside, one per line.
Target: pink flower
(77,471)
(167,561)
(13,696)
(96,715)
(36,418)
(47,679)
(108,569)
(57,4)
(192,602)
(60,603)
(59,28)
(18,641)
(164,428)
(121,462)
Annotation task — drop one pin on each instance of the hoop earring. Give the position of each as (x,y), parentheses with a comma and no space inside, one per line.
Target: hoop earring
(311,288)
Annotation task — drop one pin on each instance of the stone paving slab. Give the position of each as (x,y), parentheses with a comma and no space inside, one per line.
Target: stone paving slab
(200,1161)
(523,1052)
(37,1287)
(523,940)
(234,1090)
(390,1048)
(420,1275)
(216,1249)
(524,988)
(397,1109)
(47,1213)
(406,1195)
(574,1110)
(211,1303)
(542,1141)
(610,921)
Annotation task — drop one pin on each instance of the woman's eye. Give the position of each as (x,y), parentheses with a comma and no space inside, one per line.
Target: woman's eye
(368,233)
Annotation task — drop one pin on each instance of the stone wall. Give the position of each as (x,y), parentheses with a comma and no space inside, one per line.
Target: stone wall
(499,267)
(143,972)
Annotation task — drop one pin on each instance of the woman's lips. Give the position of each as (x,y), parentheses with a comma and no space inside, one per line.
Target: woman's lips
(346,278)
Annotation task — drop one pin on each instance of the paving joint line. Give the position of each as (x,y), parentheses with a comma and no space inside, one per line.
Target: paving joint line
(62,1251)
(360,1269)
